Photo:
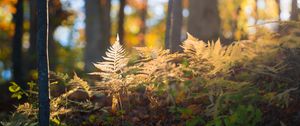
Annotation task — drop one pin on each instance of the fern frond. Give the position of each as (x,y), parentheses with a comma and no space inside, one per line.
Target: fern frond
(193,46)
(151,53)
(221,57)
(80,83)
(115,60)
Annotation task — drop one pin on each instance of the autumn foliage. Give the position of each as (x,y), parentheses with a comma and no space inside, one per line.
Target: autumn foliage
(206,84)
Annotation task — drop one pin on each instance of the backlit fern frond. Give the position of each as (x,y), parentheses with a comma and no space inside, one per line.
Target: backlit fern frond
(221,57)
(151,53)
(115,60)
(78,82)
(150,58)
(192,46)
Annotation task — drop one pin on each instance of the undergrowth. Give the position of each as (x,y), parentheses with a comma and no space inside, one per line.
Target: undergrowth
(246,83)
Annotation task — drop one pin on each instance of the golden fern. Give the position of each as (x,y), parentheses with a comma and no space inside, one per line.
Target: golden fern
(221,57)
(151,53)
(115,61)
(192,46)
(78,82)
(154,60)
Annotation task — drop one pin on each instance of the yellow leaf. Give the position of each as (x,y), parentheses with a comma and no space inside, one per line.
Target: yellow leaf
(14,87)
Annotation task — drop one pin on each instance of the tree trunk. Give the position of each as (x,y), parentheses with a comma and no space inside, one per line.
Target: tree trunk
(173,27)
(204,20)
(32,51)
(17,45)
(294,13)
(97,31)
(43,67)
(121,21)
(143,24)
(256,13)
(279,19)
(279,9)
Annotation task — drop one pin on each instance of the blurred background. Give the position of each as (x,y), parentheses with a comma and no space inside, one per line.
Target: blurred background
(81,30)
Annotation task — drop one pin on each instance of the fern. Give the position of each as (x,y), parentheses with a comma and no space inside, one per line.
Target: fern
(111,71)
(221,57)
(115,61)
(151,53)
(78,82)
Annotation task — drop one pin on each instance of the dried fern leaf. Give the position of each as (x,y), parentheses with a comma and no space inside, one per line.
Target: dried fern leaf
(83,84)
(115,61)
(221,57)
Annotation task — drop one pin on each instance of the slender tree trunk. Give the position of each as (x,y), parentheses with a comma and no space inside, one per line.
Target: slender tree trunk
(121,21)
(295,11)
(279,9)
(173,27)
(204,20)
(256,13)
(234,23)
(32,51)
(97,31)
(143,24)
(279,19)
(43,67)
(17,45)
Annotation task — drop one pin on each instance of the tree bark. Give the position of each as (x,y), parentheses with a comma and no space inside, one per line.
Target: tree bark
(97,31)
(173,27)
(279,9)
(256,13)
(279,19)
(143,24)
(43,67)
(121,21)
(294,13)
(204,20)
(17,45)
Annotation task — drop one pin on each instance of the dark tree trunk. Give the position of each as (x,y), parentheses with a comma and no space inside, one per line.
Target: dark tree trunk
(143,24)
(32,51)
(204,20)
(294,13)
(174,23)
(17,45)
(43,67)
(97,31)
(121,21)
